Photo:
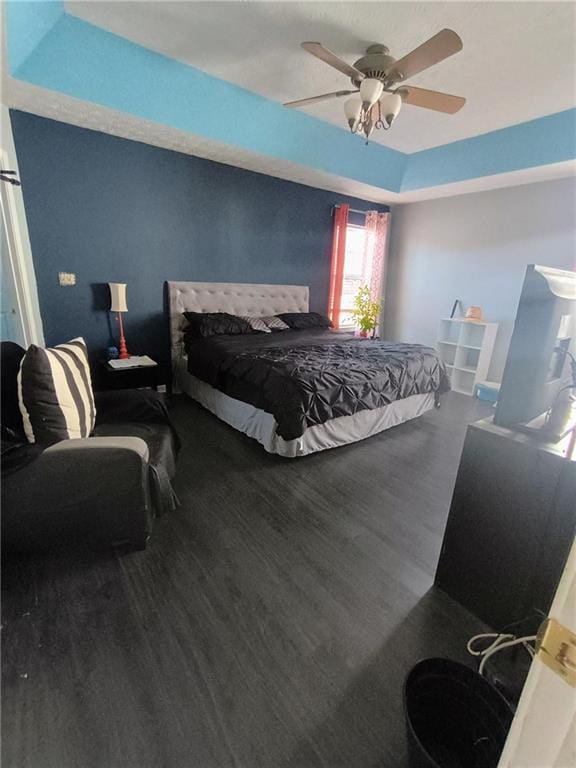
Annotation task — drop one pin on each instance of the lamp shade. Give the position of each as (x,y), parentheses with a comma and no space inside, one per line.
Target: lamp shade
(118,297)
(390,106)
(370,91)
(352,110)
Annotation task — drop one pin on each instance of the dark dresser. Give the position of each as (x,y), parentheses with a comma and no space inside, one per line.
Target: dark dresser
(511,524)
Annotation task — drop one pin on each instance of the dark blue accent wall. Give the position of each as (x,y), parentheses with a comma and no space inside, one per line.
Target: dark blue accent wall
(114,210)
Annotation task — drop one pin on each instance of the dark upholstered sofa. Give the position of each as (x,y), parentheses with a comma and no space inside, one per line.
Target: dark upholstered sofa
(97,491)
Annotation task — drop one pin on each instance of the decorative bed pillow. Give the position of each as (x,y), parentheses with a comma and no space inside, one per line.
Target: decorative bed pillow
(274,323)
(55,393)
(204,324)
(300,321)
(256,323)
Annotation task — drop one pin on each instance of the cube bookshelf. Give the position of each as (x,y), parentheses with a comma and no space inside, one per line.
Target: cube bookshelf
(466,347)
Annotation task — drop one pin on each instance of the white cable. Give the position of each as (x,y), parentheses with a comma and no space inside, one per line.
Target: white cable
(501,646)
(497,639)
(530,648)
(500,641)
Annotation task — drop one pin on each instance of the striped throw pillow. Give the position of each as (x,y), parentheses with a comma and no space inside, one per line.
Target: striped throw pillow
(256,323)
(275,324)
(55,393)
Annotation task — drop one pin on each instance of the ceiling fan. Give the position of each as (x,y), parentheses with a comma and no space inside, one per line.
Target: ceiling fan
(379,79)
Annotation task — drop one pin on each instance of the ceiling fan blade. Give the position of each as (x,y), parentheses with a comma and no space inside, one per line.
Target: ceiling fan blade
(314,99)
(439,102)
(444,44)
(318,50)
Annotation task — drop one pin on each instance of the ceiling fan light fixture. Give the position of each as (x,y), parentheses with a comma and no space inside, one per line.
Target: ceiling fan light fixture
(375,77)
(370,91)
(390,107)
(353,110)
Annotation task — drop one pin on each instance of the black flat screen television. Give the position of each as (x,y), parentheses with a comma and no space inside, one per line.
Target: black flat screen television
(537,367)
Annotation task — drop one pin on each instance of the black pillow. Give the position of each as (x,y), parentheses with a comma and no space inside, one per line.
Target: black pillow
(300,321)
(204,324)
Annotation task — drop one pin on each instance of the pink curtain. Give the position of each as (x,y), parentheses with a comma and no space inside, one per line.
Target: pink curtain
(375,252)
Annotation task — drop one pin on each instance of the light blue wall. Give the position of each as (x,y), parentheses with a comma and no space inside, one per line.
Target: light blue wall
(475,248)
(546,140)
(28,23)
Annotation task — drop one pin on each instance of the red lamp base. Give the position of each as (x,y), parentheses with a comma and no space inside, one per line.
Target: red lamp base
(124,354)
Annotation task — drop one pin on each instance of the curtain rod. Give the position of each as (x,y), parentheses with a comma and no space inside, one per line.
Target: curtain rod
(352,210)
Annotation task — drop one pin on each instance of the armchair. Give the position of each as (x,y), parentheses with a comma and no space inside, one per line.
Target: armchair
(101,490)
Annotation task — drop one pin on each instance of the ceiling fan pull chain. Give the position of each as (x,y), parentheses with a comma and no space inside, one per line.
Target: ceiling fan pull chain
(380,123)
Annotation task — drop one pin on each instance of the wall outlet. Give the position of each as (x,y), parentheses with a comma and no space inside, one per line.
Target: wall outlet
(66,278)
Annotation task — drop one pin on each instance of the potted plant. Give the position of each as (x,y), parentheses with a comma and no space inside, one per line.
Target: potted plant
(366,311)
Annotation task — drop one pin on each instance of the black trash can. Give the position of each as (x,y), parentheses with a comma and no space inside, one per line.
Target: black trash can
(454,717)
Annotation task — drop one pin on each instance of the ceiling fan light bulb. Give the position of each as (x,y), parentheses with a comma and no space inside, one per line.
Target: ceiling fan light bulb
(352,110)
(370,91)
(390,107)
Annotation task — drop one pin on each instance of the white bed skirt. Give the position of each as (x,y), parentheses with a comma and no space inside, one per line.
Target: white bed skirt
(261,426)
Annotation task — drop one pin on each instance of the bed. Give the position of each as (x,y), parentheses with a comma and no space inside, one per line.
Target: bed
(296,392)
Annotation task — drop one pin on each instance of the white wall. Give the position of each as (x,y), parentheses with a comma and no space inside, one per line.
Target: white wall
(475,248)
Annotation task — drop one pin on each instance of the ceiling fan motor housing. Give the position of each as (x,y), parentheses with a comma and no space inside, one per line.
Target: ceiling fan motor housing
(374,63)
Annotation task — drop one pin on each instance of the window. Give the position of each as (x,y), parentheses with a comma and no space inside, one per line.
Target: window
(358,255)
(357,269)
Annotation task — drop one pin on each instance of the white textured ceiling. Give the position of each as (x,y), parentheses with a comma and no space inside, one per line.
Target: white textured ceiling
(518,62)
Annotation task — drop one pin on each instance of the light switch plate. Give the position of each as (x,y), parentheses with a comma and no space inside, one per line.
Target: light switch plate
(66,278)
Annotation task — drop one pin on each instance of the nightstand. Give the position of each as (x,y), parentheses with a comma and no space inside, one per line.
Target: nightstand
(142,377)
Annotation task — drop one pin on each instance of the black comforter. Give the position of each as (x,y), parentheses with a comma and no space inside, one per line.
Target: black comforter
(305,378)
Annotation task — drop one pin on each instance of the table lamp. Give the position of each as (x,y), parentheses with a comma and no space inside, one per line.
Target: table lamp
(118,304)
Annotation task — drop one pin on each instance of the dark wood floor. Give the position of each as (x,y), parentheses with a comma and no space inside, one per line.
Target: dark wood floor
(269,624)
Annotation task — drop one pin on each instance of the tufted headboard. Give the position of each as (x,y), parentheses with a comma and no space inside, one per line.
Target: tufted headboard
(256,300)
